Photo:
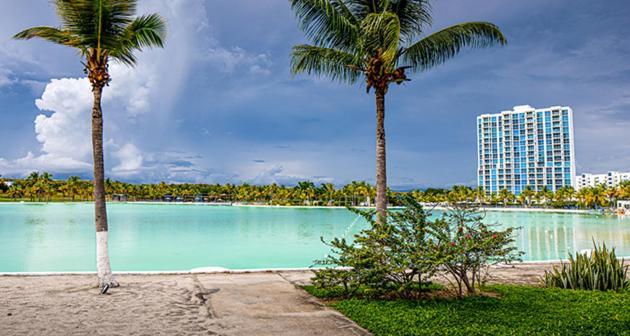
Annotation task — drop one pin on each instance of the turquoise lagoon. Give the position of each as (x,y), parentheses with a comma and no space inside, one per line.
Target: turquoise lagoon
(175,237)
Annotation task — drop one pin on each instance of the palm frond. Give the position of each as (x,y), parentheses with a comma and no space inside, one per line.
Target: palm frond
(335,64)
(327,23)
(98,22)
(414,15)
(343,8)
(144,32)
(438,47)
(50,34)
(381,31)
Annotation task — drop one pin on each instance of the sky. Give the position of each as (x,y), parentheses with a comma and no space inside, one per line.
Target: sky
(218,104)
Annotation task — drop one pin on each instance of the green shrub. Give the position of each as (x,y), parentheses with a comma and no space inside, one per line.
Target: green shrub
(400,255)
(467,247)
(390,256)
(601,270)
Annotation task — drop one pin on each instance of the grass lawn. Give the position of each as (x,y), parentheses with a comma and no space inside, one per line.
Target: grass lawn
(517,310)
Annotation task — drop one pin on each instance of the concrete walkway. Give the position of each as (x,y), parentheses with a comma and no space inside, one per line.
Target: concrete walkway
(201,304)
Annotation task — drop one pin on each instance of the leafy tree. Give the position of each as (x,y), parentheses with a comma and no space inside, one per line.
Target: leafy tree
(377,41)
(101,30)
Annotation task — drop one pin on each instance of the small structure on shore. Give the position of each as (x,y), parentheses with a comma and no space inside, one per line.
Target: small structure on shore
(120,198)
(623,208)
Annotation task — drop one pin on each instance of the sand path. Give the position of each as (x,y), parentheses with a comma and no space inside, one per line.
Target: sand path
(184,304)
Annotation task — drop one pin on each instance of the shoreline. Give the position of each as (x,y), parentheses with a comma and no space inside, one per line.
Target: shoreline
(227,271)
(243,205)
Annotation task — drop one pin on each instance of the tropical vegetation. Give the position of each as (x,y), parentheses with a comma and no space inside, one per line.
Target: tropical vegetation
(42,187)
(399,256)
(379,42)
(599,269)
(510,310)
(101,30)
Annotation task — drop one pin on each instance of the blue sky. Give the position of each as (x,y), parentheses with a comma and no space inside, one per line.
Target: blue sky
(218,104)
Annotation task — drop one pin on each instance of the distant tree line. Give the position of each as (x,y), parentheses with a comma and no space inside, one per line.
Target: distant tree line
(43,188)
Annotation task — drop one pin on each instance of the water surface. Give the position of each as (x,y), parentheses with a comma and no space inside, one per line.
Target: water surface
(151,237)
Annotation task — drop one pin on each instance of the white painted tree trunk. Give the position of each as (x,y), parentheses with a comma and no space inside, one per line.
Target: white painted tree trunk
(103,269)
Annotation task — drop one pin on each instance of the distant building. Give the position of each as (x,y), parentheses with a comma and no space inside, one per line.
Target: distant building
(526,147)
(610,179)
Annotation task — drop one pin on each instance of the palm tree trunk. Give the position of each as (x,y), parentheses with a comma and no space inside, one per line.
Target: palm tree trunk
(381,164)
(103,267)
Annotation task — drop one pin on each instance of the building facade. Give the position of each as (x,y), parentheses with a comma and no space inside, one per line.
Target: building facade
(526,147)
(610,179)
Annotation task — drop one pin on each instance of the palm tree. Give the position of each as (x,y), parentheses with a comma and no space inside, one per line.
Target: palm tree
(480,195)
(328,192)
(545,195)
(506,196)
(73,186)
(624,190)
(376,40)
(101,30)
(564,195)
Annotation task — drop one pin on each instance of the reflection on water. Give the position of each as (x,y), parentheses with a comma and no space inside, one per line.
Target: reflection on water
(550,236)
(60,237)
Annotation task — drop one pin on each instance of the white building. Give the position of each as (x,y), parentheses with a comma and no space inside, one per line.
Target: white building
(526,147)
(610,179)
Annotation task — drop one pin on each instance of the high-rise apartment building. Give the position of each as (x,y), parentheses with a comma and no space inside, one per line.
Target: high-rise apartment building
(610,179)
(526,147)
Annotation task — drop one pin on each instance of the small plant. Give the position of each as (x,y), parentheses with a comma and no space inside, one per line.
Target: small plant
(467,247)
(601,270)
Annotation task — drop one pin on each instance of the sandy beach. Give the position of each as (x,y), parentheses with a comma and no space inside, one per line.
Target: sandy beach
(260,303)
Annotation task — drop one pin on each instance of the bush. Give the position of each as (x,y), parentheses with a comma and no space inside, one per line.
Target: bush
(390,256)
(467,247)
(601,270)
(401,254)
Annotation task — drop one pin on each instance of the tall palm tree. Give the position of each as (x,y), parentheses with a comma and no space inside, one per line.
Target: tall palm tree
(73,186)
(101,30)
(376,40)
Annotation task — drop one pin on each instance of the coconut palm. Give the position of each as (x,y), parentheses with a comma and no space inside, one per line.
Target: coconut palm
(73,186)
(506,196)
(545,195)
(624,190)
(480,195)
(376,40)
(101,30)
(564,195)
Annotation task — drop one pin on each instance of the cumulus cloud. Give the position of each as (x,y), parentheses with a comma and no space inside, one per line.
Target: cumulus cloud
(65,133)
(64,128)
(130,160)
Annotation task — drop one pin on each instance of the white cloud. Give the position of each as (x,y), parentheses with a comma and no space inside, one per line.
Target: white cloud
(130,160)
(64,127)
(5,77)
(237,59)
